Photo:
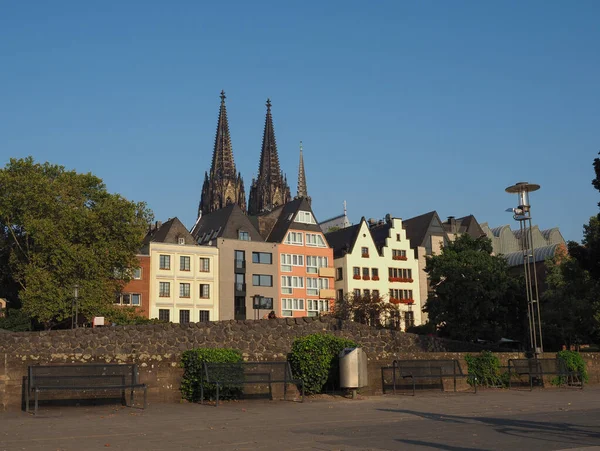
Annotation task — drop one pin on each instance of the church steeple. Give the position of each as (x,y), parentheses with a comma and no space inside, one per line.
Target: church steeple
(302,191)
(270,189)
(223,185)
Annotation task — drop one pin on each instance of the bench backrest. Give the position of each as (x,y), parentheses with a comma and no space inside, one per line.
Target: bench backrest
(428,367)
(247,371)
(537,366)
(82,375)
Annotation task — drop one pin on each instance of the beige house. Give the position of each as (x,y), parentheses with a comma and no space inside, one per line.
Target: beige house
(184,277)
(248,266)
(375,258)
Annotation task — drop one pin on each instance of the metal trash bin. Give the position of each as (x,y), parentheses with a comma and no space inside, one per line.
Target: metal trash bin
(353,369)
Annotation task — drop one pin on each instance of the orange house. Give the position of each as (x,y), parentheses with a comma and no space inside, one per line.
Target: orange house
(306,272)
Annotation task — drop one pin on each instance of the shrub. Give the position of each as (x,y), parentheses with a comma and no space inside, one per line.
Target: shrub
(486,367)
(573,362)
(192,360)
(314,360)
(15,320)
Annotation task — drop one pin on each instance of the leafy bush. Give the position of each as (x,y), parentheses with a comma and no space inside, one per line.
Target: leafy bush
(486,367)
(192,360)
(314,360)
(15,320)
(574,362)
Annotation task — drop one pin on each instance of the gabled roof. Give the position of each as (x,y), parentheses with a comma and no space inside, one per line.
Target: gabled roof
(342,241)
(275,224)
(380,232)
(224,223)
(470,226)
(169,232)
(417,227)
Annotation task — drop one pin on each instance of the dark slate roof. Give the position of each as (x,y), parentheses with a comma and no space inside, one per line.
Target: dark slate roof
(342,241)
(169,232)
(470,226)
(285,218)
(224,223)
(380,232)
(417,227)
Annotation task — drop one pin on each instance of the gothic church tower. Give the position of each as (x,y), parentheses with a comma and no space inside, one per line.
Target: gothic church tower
(270,189)
(223,186)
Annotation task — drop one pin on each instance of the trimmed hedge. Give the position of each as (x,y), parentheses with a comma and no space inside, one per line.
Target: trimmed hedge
(314,359)
(486,367)
(574,362)
(191,361)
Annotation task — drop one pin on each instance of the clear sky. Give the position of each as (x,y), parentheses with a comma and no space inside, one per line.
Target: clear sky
(403,107)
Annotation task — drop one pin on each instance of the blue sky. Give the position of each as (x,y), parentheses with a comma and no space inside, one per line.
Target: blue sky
(403,107)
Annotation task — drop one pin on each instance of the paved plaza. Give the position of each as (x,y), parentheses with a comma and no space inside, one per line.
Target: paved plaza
(551,419)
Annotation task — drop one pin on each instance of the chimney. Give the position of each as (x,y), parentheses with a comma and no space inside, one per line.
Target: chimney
(452,222)
(371,222)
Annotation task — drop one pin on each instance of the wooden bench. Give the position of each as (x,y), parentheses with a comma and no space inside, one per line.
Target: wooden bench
(239,373)
(83,378)
(430,370)
(538,368)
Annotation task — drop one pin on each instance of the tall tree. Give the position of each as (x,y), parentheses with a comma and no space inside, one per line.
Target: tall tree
(474,296)
(59,229)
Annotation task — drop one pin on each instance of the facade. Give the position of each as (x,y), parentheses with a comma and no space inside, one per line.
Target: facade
(305,259)
(376,260)
(248,266)
(270,189)
(136,293)
(184,277)
(223,185)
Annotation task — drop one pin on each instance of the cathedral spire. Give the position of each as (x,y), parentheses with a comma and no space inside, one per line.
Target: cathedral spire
(302,191)
(270,188)
(222,185)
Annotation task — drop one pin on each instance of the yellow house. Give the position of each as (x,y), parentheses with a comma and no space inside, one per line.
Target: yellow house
(375,258)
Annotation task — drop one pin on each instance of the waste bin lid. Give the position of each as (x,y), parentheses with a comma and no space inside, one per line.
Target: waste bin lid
(347,351)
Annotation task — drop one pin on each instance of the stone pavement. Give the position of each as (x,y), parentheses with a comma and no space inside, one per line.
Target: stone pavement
(550,419)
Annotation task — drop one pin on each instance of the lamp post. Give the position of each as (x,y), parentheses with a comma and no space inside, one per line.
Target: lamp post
(76,303)
(522,214)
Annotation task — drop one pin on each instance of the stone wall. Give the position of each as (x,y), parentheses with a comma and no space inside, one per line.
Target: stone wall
(157,349)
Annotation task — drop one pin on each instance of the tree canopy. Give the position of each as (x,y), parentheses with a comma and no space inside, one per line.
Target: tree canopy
(473,294)
(59,229)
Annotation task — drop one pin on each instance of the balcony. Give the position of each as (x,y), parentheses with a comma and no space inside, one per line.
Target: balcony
(327,293)
(240,288)
(326,272)
(239,313)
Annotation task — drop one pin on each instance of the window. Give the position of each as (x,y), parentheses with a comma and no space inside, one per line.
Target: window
(367,293)
(314,239)
(181,240)
(204,264)
(311,264)
(375,273)
(409,319)
(323,284)
(243,236)
(398,254)
(340,295)
(184,263)
(262,257)
(288,283)
(164,289)
(137,273)
(312,286)
(163,314)
(128,299)
(184,290)
(240,282)
(375,294)
(205,290)
(356,272)
(165,262)
(397,237)
(357,293)
(262,280)
(401,294)
(240,259)
(323,262)
(204,316)
(316,306)
(305,217)
(364,251)
(365,273)
(294,238)
(289,260)
(184,316)
(292,304)
(339,274)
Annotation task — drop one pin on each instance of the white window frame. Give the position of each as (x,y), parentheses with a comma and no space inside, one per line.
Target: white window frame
(315,240)
(294,239)
(288,283)
(289,260)
(305,217)
(295,304)
(312,286)
(137,273)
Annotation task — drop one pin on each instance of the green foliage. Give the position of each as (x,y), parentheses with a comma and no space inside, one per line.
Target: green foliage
(428,328)
(474,295)
(192,360)
(367,309)
(15,320)
(314,360)
(59,229)
(486,368)
(574,362)
(124,316)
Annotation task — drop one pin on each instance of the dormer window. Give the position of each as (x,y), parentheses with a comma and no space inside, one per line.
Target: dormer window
(243,236)
(181,240)
(305,217)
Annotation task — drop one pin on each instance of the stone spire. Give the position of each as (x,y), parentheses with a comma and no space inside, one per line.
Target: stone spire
(270,189)
(302,191)
(223,185)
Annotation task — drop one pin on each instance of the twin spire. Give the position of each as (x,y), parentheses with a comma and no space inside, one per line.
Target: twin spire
(224,185)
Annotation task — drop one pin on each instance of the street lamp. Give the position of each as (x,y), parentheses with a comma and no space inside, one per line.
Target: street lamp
(522,214)
(76,303)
